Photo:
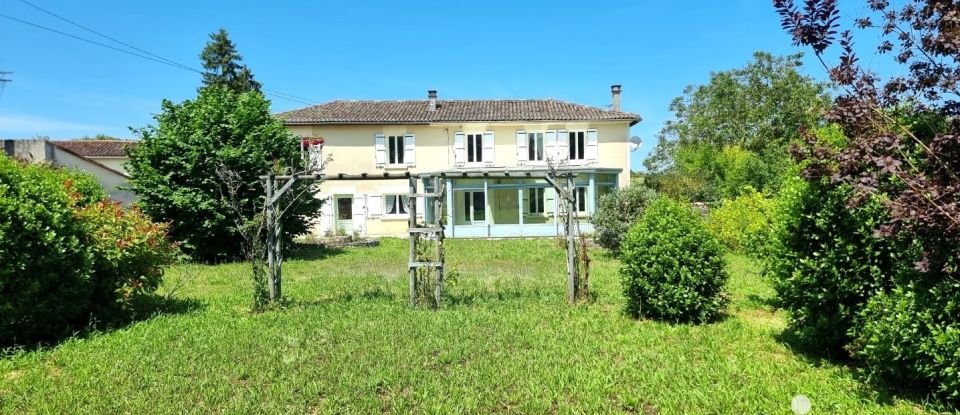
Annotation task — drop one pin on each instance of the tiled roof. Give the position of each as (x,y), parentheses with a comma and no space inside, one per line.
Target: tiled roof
(97,148)
(416,112)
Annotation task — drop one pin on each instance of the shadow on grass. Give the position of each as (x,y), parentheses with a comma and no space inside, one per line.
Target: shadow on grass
(880,391)
(312,252)
(146,309)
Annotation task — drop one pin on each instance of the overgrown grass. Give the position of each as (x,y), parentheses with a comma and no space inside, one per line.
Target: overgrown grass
(505,341)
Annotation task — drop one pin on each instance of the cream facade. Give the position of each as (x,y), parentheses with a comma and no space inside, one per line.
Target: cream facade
(494,206)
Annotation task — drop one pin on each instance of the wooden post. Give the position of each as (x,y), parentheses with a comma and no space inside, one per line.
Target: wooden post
(412,209)
(271,236)
(571,243)
(437,217)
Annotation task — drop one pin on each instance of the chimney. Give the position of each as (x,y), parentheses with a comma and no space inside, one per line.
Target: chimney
(432,97)
(615,91)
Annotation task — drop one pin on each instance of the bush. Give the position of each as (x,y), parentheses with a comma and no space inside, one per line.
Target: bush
(673,269)
(616,212)
(129,254)
(743,224)
(911,336)
(826,262)
(56,250)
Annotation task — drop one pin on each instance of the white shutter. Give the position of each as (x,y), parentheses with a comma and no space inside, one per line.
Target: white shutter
(591,146)
(381,150)
(326,214)
(563,145)
(374,205)
(550,145)
(459,151)
(359,213)
(489,145)
(522,153)
(410,150)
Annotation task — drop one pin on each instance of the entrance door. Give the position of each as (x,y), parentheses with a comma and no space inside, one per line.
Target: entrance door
(344,218)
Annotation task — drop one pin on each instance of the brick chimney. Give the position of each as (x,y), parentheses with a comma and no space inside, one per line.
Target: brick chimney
(432,97)
(615,91)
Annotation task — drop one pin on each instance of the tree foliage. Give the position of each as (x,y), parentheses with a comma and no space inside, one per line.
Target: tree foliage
(904,149)
(174,169)
(618,211)
(224,65)
(736,130)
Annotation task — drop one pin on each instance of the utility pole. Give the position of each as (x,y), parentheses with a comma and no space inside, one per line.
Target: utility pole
(4,80)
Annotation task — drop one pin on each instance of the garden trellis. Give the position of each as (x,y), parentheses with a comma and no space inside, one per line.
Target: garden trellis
(422,264)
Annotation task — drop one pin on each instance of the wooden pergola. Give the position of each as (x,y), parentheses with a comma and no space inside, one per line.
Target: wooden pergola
(562,180)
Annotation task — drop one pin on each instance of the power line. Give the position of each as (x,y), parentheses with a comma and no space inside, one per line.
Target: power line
(144,55)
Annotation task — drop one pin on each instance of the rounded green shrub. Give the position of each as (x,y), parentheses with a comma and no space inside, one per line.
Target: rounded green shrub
(46,275)
(673,269)
(743,224)
(616,212)
(70,257)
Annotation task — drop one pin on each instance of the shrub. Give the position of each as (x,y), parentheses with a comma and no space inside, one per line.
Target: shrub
(673,269)
(616,212)
(826,262)
(911,336)
(743,224)
(129,253)
(46,272)
(57,248)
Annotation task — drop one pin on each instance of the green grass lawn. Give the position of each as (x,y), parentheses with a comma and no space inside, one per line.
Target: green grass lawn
(505,341)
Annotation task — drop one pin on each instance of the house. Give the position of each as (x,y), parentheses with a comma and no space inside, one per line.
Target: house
(500,139)
(104,159)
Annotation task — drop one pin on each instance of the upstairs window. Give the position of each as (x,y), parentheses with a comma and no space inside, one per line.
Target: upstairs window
(535,146)
(577,145)
(474,148)
(395,149)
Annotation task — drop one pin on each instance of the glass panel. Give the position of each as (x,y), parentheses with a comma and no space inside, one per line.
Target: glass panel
(580,144)
(344,208)
(470,148)
(479,207)
(539,146)
(404,202)
(606,178)
(532,146)
(400,150)
(390,204)
(504,207)
(581,199)
(572,145)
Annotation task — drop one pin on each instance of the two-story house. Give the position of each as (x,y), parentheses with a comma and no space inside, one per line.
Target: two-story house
(456,136)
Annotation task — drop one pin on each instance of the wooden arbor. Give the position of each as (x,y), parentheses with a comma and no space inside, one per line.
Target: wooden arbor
(423,265)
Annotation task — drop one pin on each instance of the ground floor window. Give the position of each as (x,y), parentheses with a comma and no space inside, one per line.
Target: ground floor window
(535,200)
(581,195)
(475,206)
(395,204)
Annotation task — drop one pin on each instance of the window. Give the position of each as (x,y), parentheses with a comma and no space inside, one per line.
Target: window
(580,194)
(475,206)
(395,149)
(395,204)
(535,200)
(577,145)
(535,146)
(474,148)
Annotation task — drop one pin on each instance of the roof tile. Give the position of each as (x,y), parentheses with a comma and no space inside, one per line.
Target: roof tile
(416,112)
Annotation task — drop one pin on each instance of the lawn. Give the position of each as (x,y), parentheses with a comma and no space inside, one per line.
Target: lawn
(505,341)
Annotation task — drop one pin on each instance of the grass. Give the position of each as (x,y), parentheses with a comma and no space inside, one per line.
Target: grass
(346,342)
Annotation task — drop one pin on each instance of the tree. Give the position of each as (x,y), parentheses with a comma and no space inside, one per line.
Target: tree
(225,66)
(736,130)
(174,169)
(903,149)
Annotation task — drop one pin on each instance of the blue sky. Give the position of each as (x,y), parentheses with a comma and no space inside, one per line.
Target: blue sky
(569,50)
